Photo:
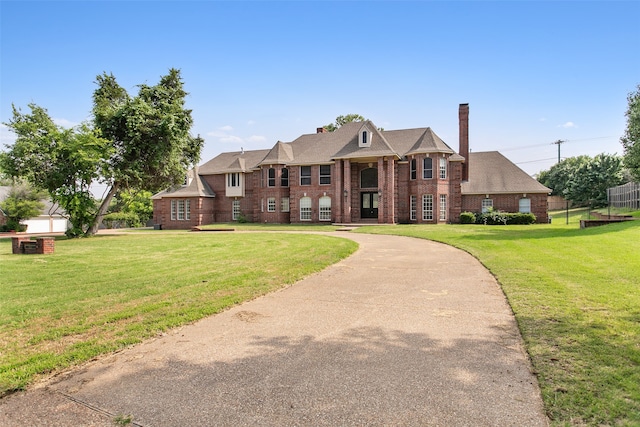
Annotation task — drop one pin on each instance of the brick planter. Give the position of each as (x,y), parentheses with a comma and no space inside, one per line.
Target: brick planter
(39,246)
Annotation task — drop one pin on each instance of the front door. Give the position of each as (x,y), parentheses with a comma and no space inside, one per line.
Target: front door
(369,205)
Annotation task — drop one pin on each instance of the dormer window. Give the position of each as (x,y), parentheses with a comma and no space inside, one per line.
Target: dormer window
(364,138)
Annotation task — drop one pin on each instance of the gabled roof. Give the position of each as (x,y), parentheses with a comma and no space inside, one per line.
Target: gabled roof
(492,173)
(379,144)
(281,153)
(324,148)
(196,187)
(428,142)
(238,161)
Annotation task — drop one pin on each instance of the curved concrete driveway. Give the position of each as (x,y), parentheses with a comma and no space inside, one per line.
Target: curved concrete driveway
(403,332)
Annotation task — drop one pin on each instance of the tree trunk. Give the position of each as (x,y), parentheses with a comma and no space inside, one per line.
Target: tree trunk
(102,210)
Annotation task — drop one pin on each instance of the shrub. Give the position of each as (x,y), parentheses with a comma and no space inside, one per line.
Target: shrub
(121,220)
(505,218)
(467,218)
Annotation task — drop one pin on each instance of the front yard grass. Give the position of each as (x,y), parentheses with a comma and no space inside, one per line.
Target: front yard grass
(98,295)
(576,296)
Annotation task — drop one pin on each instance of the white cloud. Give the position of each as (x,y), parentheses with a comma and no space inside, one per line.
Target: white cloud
(257,138)
(231,139)
(568,125)
(226,128)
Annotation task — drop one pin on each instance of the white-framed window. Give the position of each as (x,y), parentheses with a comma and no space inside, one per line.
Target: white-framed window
(235,210)
(271,204)
(233,179)
(443,207)
(364,138)
(487,204)
(180,209)
(324,208)
(305,209)
(284,177)
(443,168)
(305,175)
(271,177)
(427,168)
(414,169)
(325,174)
(284,204)
(524,205)
(427,207)
(413,208)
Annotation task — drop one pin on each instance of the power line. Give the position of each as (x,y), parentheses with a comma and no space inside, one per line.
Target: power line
(535,161)
(552,143)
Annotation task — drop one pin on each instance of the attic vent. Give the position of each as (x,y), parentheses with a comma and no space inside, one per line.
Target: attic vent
(364,138)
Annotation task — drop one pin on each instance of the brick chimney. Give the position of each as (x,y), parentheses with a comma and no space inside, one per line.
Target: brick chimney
(463,117)
(321,130)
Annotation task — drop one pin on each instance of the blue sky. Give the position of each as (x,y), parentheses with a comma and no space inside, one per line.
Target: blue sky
(533,72)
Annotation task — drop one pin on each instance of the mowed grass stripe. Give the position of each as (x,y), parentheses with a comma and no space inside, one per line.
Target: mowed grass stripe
(97,295)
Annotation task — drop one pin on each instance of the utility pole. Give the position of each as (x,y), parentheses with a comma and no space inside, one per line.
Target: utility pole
(558,143)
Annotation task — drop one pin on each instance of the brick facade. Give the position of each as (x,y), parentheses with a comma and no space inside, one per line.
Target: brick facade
(374,178)
(508,203)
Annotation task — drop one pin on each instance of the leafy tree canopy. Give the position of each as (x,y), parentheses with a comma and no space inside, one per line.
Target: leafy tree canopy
(583,179)
(631,139)
(341,120)
(63,162)
(22,202)
(137,142)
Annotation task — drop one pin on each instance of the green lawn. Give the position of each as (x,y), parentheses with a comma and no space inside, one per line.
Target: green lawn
(97,295)
(576,297)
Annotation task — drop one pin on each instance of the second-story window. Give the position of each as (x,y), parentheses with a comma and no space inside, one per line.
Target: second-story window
(325,174)
(233,180)
(284,177)
(271,178)
(427,168)
(414,165)
(443,168)
(305,175)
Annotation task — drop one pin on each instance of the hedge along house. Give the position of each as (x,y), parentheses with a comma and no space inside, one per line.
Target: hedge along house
(356,174)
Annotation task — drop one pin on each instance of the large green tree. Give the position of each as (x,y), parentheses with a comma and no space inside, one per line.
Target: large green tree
(150,135)
(631,139)
(584,179)
(63,162)
(140,142)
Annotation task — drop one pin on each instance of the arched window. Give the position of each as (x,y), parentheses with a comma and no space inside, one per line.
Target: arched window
(284,177)
(325,208)
(271,182)
(369,178)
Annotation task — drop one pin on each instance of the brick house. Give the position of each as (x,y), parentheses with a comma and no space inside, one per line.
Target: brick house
(356,174)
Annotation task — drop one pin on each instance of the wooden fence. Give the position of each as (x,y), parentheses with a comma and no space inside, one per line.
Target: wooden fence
(625,196)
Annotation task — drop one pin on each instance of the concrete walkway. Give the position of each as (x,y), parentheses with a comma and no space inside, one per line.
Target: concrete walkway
(403,332)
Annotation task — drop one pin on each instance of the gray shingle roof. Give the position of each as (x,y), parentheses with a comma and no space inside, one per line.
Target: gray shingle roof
(238,161)
(197,187)
(492,173)
(317,148)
